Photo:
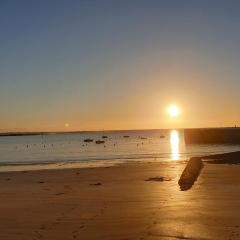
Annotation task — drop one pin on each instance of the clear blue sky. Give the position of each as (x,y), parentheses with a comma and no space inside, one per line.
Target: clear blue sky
(118,64)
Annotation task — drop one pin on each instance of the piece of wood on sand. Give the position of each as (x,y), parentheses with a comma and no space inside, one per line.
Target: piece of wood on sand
(190,173)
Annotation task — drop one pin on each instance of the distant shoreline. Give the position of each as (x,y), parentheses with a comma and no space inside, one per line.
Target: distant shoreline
(30,133)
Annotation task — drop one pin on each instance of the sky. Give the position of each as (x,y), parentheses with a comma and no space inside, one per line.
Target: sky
(97,65)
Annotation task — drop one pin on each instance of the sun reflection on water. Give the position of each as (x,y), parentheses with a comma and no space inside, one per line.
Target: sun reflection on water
(174,140)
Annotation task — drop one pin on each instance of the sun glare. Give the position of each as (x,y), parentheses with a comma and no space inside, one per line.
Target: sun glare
(174,140)
(173,111)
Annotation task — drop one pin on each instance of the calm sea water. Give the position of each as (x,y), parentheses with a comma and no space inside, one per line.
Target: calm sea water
(70,147)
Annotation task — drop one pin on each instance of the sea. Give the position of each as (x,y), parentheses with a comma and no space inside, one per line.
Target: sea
(65,149)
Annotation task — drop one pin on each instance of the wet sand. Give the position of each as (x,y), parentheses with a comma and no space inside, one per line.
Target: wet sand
(114,203)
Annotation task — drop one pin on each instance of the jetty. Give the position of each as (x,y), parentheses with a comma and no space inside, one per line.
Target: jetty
(212,135)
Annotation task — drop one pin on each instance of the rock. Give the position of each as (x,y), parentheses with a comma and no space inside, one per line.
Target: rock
(224,158)
(190,173)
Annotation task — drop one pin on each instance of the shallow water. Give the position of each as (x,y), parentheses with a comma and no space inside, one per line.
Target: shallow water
(70,147)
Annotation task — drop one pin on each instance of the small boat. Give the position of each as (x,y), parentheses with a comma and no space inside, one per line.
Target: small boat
(104,136)
(143,138)
(126,136)
(162,136)
(88,140)
(99,142)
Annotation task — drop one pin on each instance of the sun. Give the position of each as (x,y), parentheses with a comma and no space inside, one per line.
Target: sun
(173,111)
(66,125)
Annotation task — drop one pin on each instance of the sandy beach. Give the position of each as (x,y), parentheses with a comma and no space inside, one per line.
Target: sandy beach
(118,203)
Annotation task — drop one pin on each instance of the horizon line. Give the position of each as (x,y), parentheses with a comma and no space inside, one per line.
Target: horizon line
(107,130)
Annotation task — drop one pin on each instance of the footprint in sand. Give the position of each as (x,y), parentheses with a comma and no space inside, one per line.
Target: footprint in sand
(76,232)
(95,184)
(58,194)
(39,235)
